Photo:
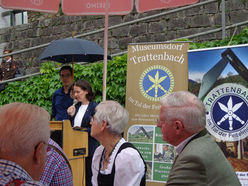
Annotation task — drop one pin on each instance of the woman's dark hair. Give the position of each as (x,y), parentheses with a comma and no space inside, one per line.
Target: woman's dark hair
(85,85)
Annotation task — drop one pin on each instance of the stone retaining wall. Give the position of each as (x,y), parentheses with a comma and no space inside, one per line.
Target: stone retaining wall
(43,28)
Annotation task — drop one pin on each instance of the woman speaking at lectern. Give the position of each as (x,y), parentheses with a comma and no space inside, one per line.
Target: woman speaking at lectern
(80,114)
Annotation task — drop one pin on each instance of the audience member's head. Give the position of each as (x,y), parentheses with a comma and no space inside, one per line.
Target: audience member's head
(24,134)
(115,115)
(182,114)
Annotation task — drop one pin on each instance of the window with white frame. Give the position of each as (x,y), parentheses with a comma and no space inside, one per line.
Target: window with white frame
(12,17)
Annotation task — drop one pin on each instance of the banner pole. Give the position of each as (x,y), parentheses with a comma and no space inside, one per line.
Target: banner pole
(105,51)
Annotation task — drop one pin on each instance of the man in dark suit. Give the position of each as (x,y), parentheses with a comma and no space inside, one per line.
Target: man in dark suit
(199,161)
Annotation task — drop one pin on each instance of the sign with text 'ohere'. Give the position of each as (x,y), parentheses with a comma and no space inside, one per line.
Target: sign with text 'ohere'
(50,6)
(93,7)
(147,5)
(96,7)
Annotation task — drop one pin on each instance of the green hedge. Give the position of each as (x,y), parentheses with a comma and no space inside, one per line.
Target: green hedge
(39,89)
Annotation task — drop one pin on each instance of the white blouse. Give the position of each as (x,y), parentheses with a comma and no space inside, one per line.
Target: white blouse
(129,167)
(79,116)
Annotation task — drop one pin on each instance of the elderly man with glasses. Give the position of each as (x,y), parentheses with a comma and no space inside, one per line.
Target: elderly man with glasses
(199,161)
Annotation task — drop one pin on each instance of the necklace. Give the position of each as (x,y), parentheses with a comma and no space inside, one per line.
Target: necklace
(106,157)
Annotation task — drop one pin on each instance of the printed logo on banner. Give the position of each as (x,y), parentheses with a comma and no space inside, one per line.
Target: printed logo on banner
(165,1)
(37,2)
(155,82)
(226,112)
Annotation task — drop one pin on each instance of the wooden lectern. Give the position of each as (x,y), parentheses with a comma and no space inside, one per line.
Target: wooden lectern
(75,146)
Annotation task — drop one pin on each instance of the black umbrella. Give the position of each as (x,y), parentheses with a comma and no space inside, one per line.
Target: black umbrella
(72,50)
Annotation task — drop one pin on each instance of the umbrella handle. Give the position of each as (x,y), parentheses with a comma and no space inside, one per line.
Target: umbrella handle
(72,68)
(72,35)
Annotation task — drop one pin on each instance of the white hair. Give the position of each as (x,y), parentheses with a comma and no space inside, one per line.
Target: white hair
(185,106)
(22,127)
(114,114)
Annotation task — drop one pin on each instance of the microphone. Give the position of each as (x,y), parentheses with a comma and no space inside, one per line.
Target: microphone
(75,101)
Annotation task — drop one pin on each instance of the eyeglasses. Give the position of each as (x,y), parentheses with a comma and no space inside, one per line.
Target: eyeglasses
(92,119)
(65,75)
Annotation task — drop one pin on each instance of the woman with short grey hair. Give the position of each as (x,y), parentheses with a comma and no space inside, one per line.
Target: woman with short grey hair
(115,115)
(115,162)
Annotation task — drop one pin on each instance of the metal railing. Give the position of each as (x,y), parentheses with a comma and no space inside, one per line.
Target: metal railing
(124,52)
